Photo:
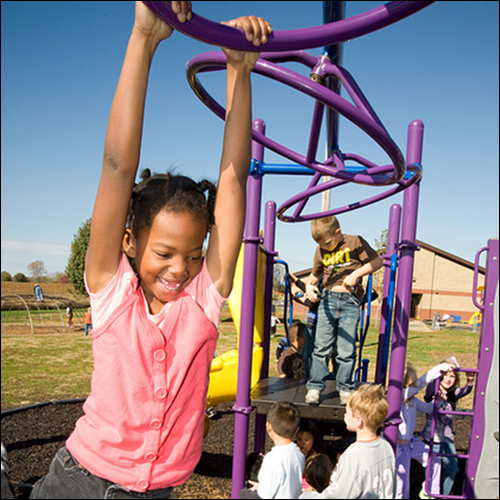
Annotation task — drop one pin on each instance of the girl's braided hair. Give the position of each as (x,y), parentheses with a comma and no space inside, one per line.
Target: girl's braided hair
(172,193)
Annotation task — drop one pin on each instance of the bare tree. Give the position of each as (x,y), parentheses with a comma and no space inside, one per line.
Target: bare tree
(37,269)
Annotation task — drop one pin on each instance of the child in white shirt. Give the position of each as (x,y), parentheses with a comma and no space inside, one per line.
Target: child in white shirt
(280,475)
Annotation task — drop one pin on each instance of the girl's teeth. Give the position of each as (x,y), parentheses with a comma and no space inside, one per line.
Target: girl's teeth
(171,286)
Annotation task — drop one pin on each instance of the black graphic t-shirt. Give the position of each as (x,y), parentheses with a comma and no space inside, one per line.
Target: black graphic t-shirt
(350,254)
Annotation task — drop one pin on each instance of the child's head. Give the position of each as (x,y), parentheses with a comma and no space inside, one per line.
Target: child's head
(284,419)
(410,376)
(326,232)
(318,471)
(368,403)
(297,333)
(252,466)
(450,378)
(169,193)
(168,221)
(308,438)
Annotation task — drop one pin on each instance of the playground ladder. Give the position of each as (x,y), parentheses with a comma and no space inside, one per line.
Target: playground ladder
(479,479)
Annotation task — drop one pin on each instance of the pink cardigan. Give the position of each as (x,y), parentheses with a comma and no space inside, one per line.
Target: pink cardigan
(143,422)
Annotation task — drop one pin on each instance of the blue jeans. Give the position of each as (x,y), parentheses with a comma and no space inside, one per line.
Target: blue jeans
(308,347)
(68,479)
(338,317)
(449,465)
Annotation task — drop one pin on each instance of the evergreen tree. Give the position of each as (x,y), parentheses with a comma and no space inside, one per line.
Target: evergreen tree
(76,262)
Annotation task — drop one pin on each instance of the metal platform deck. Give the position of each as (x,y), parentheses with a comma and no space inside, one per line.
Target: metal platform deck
(270,390)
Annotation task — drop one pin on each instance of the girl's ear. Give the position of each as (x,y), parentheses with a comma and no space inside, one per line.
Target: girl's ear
(129,244)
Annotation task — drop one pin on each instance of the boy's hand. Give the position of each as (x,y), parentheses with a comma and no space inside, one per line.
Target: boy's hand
(312,292)
(256,31)
(152,26)
(254,485)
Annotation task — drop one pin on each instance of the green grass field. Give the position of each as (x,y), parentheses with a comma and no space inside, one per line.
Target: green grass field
(54,366)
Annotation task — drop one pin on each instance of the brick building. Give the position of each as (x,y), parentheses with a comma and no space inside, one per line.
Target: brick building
(442,283)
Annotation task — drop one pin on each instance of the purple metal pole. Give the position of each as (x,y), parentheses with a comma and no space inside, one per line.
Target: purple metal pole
(392,240)
(242,407)
(404,285)
(269,243)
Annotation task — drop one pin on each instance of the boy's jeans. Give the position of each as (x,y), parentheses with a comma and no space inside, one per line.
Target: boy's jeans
(338,317)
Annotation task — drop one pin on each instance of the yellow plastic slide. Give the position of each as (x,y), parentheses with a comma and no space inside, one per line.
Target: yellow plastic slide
(224,372)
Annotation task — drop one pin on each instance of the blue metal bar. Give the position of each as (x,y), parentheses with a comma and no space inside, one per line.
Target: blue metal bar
(287,319)
(261,168)
(361,372)
(388,316)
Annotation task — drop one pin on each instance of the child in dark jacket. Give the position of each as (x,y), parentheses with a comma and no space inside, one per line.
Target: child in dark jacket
(444,438)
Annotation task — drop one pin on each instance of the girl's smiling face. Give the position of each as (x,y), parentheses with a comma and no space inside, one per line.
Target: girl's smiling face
(449,379)
(168,255)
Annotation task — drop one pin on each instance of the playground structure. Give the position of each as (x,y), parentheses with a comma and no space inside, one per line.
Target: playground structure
(400,175)
(24,312)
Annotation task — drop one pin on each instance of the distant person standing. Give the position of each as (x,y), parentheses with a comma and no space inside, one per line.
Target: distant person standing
(69,315)
(88,321)
(274,322)
(37,289)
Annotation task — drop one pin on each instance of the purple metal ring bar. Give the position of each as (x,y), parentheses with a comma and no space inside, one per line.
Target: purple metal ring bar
(217,34)
(360,114)
(415,169)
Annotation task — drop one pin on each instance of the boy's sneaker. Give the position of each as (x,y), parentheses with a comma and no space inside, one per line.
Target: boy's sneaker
(343,397)
(423,494)
(312,397)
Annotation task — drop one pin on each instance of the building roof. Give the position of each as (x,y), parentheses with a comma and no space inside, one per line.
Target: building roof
(445,255)
(449,256)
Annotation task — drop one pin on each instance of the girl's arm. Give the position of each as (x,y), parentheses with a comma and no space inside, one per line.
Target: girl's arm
(122,145)
(427,378)
(424,407)
(461,392)
(229,212)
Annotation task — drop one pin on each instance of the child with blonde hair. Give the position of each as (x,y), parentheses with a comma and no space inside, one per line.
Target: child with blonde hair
(366,469)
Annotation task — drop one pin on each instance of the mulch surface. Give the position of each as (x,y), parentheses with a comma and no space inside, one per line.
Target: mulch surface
(32,438)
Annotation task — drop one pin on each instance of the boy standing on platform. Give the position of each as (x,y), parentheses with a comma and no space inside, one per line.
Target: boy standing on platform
(340,262)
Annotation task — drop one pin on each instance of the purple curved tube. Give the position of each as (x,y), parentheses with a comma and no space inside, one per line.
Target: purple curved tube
(416,169)
(213,33)
(363,116)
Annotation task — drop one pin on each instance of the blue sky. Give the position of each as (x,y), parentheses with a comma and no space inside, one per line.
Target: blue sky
(61,62)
